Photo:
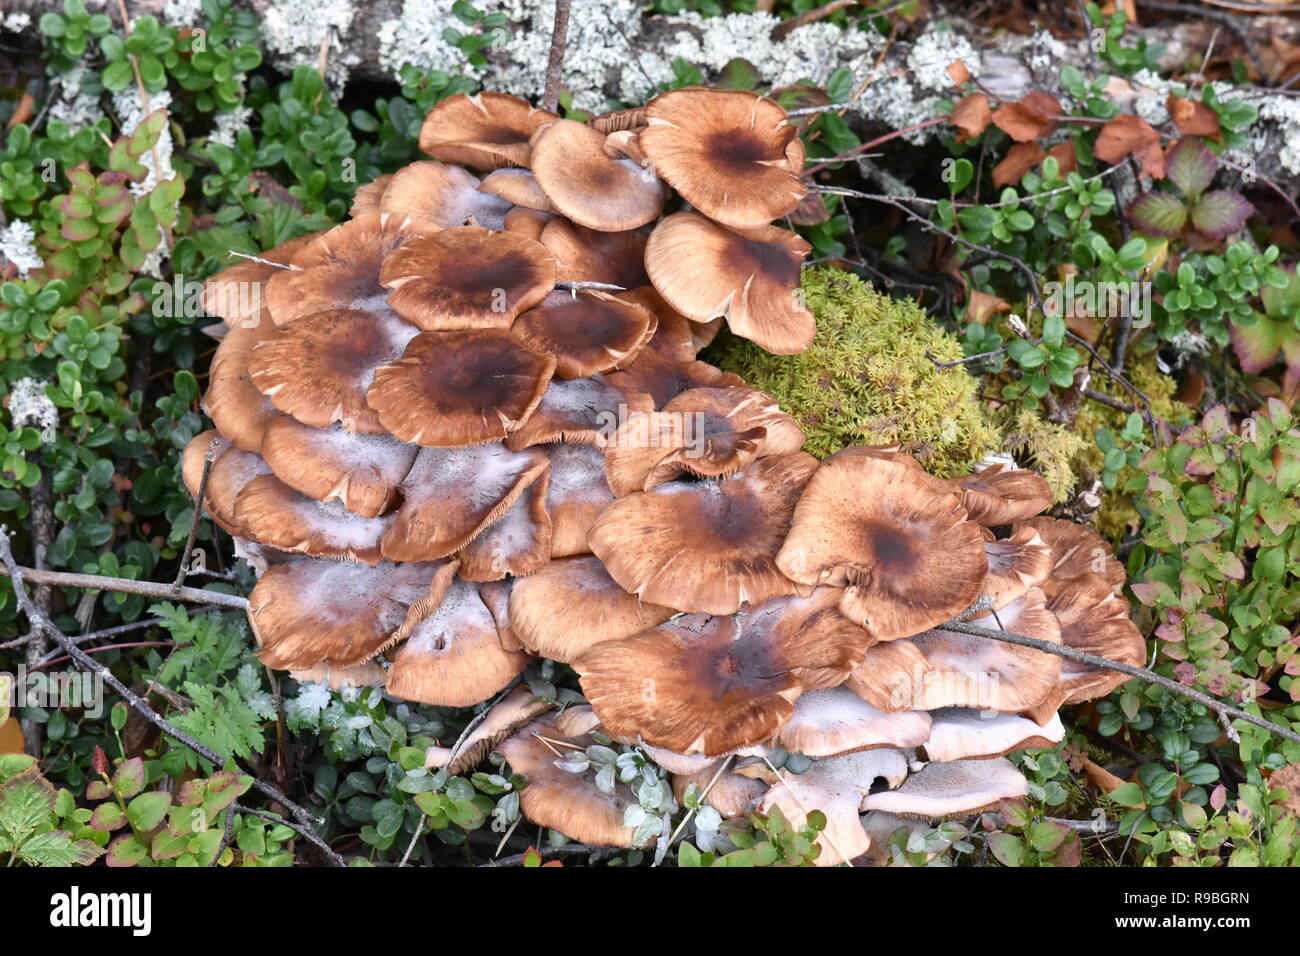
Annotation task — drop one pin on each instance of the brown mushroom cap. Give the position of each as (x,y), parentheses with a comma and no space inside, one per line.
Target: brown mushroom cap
(338,270)
(615,120)
(1093,619)
(467,278)
(368,197)
(663,378)
(240,412)
(517,543)
(238,294)
(459,388)
(969,671)
(581,411)
(712,684)
(727,152)
(486,130)
(959,733)
(706,432)
(193,460)
(362,471)
(453,656)
(897,539)
(270,512)
(957,789)
(1076,550)
(567,802)
(527,222)
(496,595)
(587,185)
(673,338)
(576,496)
(305,613)
(434,196)
(450,495)
(704,270)
(585,255)
(1016,564)
(890,676)
(838,788)
(706,546)
(587,332)
(732,794)
(994,496)
(836,721)
(318,369)
(505,717)
(517,186)
(573,604)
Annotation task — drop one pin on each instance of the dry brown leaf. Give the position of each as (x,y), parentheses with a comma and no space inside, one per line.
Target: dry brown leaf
(1127,134)
(1192,118)
(1289,777)
(1020,159)
(1101,778)
(971,116)
(1029,118)
(958,72)
(1065,157)
(24,111)
(980,306)
(11,737)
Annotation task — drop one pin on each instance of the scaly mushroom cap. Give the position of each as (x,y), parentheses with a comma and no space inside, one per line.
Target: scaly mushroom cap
(571,605)
(362,471)
(664,379)
(727,152)
(704,270)
(305,613)
(581,411)
(890,676)
(452,656)
(505,717)
(368,197)
(575,497)
(957,789)
(1095,620)
(434,196)
(519,187)
(467,278)
(994,496)
(706,432)
(1076,550)
(706,546)
(838,788)
(585,255)
(587,185)
(485,130)
(959,733)
(564,801)
(459,388)
(318,369)
(895,537)
(238,294)
(240,412)
(451,495)
(836,721)
(338,270)
(970,671)
(587,332)
(270,512)
(517,543)
(1016,564)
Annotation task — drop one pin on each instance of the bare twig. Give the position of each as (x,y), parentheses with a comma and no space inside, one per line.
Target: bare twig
(208,458)
(127,586)
(555,65)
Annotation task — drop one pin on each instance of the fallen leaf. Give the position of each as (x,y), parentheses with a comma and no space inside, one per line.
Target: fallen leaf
(971,116)
(1066,157)
(958,72)
(1130,135)
(1192,118)
(1101,778)
(11,737)
(1020,159)
(980,306)
(24,111)
(1029,118)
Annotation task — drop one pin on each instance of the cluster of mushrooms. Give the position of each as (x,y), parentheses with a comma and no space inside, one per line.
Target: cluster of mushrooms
(467,428)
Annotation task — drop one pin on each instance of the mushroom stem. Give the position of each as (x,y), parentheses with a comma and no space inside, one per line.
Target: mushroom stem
(1083,657)
(559,33)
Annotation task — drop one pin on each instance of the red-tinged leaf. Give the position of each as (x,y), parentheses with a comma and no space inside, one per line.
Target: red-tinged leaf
(1029,118)
(98,790)
(129,779)
(81,178)
(126,850)
(107,817)
(1219,797)
(1190,166)
(1230,566)
(1221,212)
(1216,423)
(1258,345)
(78,230)
(99,761)
(1127,135)
(971,116)
(1158,214)
(1151,593)
(1192,118)
(1007,848)
(113,213)
(1020,159)
(532,858)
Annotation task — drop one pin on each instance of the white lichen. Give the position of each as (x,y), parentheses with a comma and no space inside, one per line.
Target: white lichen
(130,113)
(72,105)
(229,124)
(182,13)
(933,52)
(30,407)
(16,22)
(1285,111)
(293,32)
(18,246)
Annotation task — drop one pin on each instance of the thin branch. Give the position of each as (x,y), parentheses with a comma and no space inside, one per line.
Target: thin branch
(127,586)
(1151,677)
(209,457)
(875,142)
(555,65)
(135,701)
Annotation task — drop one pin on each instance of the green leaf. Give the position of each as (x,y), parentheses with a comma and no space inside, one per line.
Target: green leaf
(126,850)
(147,810)
(1007,848)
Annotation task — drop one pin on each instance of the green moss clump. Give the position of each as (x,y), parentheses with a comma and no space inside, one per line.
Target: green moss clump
(1049,448)
(867,379)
